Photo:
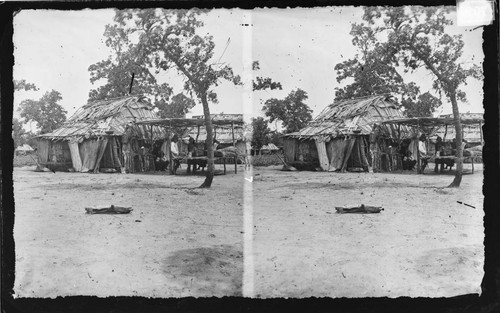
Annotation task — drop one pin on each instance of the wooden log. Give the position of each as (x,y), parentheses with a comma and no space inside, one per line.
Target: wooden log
(111,210)
(359,209)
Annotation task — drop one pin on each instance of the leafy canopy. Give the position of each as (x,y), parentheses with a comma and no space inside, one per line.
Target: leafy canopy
(46,111)
(178,106)
(293,113)
(417,37)
(153,41)
(374,71)
(24,85)
(260,132)
(263,83)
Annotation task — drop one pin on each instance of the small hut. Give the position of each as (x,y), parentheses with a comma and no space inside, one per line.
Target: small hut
(338,139)
(102,135)
(24,149)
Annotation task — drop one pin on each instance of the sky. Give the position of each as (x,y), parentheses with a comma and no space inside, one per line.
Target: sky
(297,47)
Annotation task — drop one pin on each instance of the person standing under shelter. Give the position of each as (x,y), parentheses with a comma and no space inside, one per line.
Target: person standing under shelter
(422,150)
(191,153)
(439,154)
(174,148)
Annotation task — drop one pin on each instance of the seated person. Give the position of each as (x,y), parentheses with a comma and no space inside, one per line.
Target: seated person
(408,162)
(161,163)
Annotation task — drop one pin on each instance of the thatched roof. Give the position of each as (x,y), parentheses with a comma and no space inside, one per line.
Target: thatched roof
(108,117)
(351,116)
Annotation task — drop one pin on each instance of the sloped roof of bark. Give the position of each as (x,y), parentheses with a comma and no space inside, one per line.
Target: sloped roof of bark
(350,116)
(108,117)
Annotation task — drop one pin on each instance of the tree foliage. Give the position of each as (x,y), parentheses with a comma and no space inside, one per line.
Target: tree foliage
(374,72)
(18,133)
(371,68)
(260,132)
(263,83)
(416,37)
(425,105)
(157,41)
(24,85)
(45,112)
(177,106)
(293,113)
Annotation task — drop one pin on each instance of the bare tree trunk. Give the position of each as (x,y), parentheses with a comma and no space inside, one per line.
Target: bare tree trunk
(210,143)
(458,140)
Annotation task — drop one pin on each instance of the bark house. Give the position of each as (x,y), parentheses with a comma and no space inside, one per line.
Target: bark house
(340,138)
(103,136)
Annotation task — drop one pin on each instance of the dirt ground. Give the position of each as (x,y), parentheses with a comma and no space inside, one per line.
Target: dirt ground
(189,242)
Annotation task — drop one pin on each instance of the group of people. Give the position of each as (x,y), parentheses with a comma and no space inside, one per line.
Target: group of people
(441,150)
(164,151)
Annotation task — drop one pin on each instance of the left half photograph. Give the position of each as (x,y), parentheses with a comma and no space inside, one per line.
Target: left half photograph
(130,153)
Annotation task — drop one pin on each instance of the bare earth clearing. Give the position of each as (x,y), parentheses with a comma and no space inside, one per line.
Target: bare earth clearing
(188,242)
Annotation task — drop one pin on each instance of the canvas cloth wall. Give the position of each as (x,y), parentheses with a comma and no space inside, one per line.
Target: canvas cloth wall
(338,154)
(89,155)
(341,154)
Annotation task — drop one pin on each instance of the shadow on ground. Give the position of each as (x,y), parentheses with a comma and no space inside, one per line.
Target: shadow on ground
(207,271)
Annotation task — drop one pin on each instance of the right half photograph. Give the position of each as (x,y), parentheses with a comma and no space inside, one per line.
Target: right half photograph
(366,154)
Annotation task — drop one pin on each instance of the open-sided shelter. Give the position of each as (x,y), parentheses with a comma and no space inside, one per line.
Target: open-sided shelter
(102,135)
(228,133)
(431,127)
(195,127)
(338,139)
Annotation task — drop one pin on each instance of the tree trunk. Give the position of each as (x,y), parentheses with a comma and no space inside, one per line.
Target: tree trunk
(458,141)
(210,143)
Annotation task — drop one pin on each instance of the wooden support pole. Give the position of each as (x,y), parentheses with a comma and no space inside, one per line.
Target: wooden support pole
(232,133)
(481,133)
(418,149)
(234,145)
(169,144)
